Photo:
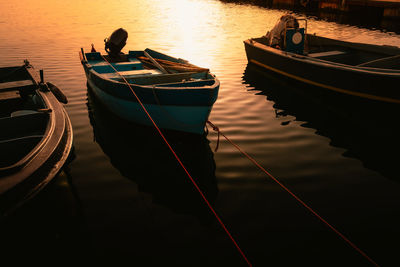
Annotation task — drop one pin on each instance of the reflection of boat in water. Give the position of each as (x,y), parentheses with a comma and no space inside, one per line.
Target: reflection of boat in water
(371,138)
(140,154)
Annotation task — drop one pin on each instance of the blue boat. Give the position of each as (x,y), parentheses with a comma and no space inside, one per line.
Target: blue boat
(177,95)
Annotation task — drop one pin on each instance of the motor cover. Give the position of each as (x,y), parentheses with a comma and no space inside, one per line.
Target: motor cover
(276,37)
(116,41)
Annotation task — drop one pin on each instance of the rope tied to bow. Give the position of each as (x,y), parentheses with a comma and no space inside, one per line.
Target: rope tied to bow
(215,128)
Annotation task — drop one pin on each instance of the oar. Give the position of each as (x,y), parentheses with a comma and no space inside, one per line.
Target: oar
(170,65)
(379,60)
(155,63)
(57,93)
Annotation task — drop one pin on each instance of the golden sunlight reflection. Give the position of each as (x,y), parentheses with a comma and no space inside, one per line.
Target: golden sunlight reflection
(188,23)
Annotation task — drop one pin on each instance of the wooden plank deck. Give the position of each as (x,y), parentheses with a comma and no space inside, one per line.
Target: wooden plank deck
(6,86)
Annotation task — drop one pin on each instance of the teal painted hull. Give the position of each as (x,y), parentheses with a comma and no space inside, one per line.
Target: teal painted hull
(190,119)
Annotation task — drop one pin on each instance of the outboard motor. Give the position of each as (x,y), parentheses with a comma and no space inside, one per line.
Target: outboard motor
(116,41)
(287,35)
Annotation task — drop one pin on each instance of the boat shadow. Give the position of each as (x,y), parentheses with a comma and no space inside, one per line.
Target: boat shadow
(140,154)
(52,221)
(367,133)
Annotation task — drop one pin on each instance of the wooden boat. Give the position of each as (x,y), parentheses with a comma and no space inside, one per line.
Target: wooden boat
(178,95)
(35,137)
(362,70)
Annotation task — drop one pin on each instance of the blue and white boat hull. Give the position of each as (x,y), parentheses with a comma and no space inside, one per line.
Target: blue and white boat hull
(190,119)
(177,100)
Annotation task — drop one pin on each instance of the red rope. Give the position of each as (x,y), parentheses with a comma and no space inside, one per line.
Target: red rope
(184,168)
(215,128)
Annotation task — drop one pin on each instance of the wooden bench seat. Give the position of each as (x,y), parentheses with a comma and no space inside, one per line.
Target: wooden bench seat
(131,74)
(16,85)
(8,95)
(161,78)
(184,84)
(326,54)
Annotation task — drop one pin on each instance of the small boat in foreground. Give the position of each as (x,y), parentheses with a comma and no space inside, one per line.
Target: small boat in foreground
(178,95)
(35,137)
(363,70)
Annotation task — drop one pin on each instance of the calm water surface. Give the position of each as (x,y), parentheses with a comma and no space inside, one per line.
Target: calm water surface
(124,198)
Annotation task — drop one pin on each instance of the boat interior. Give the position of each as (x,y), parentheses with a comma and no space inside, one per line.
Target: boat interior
(23,121)
(138,69)
(353,54)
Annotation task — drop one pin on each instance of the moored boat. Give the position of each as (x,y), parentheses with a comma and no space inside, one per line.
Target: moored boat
(36,135)
(177,95)
(365,71)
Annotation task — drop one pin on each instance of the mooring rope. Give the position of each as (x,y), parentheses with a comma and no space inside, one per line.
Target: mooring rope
(184,168)
(215,128)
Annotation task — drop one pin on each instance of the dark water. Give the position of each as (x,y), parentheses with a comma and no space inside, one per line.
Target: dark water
(123,198)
